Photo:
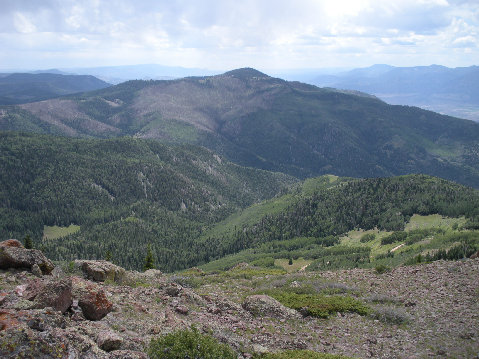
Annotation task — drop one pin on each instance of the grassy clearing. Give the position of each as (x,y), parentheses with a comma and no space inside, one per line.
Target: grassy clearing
(296,266)
(434,220)
(54,232)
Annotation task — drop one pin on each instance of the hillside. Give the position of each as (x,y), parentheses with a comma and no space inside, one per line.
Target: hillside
(323,220)
(122,193)
(427,310)
(20,88)
(263,122)
(452,91)
(87,198)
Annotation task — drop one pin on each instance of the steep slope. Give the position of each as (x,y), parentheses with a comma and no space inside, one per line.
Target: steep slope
(268,123)
(20,88)
(453,91)
(123,193)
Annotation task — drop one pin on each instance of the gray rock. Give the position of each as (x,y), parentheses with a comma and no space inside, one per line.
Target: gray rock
(109,341)
(18,257)
(264,305)
(56,294)
(36,270)
(100,270)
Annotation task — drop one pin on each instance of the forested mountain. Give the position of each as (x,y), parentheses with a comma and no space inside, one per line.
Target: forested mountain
(20,88)
(453,91)
(264,122)
(334,206)
(123,193)
(188,203)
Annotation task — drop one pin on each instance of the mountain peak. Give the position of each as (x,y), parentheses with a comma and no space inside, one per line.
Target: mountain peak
(246,73)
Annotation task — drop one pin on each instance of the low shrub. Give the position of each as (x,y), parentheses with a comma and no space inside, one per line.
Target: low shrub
(189,344)
(318,305)
(390,315)
(394,237)
(381,268)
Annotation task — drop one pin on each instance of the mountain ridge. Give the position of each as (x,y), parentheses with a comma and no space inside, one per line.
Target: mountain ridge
(18,88)
(268,123)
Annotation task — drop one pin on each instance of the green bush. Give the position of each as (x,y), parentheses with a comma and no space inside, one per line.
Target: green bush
(367,237)
(266,262)
(189,344)
(299,354)
(318,305)
(382,268)
(394,237)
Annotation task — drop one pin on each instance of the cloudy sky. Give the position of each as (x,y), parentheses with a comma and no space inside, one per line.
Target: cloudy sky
(226,34)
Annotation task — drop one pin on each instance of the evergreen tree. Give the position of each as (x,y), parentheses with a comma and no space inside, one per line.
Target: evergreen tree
(108,256)
(28,243)
(149,260)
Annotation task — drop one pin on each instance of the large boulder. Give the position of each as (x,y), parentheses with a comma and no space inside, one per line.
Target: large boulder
(100,270)
(264,305)
(14,256)
(91,299)
(56,294)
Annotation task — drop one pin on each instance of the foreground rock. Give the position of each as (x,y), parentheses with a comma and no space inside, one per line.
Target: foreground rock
(56,294)
(91,299)
(13,255)
(264,305)
(100,270)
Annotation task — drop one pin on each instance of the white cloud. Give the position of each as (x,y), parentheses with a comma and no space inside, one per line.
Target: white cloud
(222,34)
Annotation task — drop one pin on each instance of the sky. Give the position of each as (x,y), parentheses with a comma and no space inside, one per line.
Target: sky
(228,34)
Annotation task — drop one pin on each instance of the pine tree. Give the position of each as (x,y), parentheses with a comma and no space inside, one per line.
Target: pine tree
(108,256)
(149,260)
(28,243)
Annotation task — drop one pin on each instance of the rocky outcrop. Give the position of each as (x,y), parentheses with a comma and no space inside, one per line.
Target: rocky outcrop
(100,270)
(14,256)
(91,299)
(264,305)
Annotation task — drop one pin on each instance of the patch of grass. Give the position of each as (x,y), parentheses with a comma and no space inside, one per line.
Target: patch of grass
(249,273)
(318,305)
(434,220)
(299,354)
(296,266)
(54,232)
(189,344)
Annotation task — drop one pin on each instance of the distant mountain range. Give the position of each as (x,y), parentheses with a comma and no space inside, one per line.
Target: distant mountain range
(20,88)
(264,122)
(452,91)
(118,74)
